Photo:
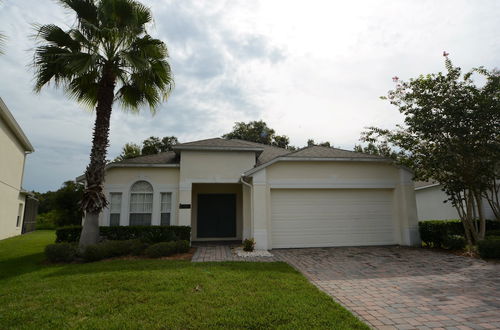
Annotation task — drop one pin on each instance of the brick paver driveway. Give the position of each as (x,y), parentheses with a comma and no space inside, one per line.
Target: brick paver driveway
(405,288)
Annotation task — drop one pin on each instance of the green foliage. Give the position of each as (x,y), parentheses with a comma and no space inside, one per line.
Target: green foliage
(450,134)
(150,234)
(182,246)
(259,132)
(60,207)
(311,143)
(129,150)
(163,249)
(110,40)
(489,247)
(60,252)
(383,149)
(112,249)
(151,146)
(47,220)
(454,242)
(249,244)
(436,232)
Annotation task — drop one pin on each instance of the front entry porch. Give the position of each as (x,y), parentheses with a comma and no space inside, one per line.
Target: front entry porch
(217,212)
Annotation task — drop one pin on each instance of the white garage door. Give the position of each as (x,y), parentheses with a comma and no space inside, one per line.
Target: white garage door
(333,217)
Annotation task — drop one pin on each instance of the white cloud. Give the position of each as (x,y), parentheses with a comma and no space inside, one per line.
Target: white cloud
(311,69)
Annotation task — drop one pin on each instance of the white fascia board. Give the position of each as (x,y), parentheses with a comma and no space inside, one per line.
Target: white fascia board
(428,186)
(12,124)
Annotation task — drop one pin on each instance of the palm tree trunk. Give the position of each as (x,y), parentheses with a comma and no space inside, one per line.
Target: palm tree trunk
(94,200)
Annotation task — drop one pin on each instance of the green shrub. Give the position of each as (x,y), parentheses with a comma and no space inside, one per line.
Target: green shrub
(489,247)
(182,246)
(60,252)
(493,232)
(434,232)
(454,242)
(249,245)
(111,249)
(163,249)
(152,234)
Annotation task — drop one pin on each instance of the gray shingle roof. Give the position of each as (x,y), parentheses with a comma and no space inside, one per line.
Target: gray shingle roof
(328,152)
(266,152)
(168,157)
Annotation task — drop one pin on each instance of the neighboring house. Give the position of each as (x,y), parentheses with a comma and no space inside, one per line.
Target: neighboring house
(14,146)
(234,189)
(431,203)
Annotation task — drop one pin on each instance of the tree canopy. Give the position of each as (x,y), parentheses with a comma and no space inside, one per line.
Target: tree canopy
(258,131)
(150,146)
(451,134)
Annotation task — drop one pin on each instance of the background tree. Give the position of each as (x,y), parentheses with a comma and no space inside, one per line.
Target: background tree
(451,135)
(106,56)
(382,148)
(311,143)
(258,131)
(129,150)
(60,207)
(151,146)
(168,142)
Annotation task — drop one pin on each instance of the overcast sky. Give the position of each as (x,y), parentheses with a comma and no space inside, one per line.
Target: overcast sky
(310,69)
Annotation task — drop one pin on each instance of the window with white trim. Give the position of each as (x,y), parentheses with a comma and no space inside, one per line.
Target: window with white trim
(115,208)
(166,209)
(141,204)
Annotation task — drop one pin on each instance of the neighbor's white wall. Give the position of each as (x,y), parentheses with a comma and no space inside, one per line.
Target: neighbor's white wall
(431,206)
(12,157)
(163,180)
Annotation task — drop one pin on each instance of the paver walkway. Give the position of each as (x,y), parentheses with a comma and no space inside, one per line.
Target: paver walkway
(405,288)
(221,252)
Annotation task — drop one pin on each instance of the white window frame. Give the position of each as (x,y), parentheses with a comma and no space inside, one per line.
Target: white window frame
(168,206)
(144,193)
(118,210)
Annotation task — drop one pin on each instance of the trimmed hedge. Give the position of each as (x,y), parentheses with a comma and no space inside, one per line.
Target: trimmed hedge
(165,249)
(489,247)
(150,234)
(60,252)
(111,249)
(435,232)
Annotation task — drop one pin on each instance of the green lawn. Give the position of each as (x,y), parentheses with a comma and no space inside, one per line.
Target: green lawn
(156,294)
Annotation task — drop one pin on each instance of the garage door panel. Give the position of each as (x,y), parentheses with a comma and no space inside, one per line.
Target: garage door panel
(306,217)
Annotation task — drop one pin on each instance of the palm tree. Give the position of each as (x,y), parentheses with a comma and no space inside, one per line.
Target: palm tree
(106,56)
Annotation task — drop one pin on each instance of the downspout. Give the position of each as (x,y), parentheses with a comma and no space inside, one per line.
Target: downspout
(242,180)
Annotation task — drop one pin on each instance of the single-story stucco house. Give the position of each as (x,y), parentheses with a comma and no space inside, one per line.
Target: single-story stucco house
(431,203)
(14,146)
(234,189)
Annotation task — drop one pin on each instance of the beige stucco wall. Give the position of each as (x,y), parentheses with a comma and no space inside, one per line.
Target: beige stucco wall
(335,175)
(11,174)
(209,167)
(121,179)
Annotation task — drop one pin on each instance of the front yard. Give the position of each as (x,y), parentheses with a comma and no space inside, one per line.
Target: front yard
(156,293)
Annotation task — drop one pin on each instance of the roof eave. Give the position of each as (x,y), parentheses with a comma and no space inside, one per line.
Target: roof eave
(15,128)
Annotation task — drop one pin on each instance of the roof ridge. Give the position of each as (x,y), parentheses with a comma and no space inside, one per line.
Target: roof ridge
(258,143)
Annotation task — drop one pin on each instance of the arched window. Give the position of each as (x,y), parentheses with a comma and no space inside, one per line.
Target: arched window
(141,204)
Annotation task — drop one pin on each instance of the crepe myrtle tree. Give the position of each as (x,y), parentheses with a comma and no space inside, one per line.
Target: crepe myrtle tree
(450,135)
(106,56)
